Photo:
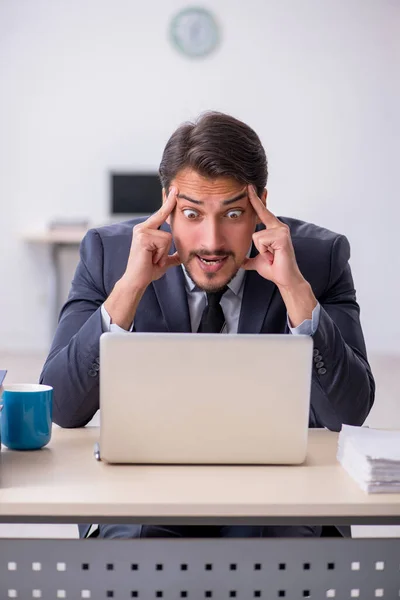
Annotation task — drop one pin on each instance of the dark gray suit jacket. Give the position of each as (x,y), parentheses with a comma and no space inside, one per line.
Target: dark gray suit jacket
(344,394)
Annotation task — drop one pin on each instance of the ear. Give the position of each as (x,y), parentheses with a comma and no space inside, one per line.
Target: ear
(164,199)
(264,196)
(263,199)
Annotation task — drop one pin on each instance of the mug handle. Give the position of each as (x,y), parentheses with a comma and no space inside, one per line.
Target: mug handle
(3,374)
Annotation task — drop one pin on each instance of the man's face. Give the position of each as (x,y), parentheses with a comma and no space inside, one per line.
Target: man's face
(212,226)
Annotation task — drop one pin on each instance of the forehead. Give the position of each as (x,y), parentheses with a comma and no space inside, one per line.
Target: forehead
(198,187)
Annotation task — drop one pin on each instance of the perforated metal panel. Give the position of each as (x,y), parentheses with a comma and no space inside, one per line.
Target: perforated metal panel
(196,569)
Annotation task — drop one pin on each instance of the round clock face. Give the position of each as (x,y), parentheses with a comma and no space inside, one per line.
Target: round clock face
(194,31)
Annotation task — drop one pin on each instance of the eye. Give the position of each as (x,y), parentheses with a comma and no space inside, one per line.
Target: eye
(190,213)
(234,214)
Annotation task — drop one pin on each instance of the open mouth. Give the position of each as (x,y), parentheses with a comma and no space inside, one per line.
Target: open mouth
(211,261)
(211,264)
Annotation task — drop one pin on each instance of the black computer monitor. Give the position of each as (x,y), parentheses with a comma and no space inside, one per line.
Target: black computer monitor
(135,193)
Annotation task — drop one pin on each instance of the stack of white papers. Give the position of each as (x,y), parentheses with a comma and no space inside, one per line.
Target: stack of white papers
(371,457)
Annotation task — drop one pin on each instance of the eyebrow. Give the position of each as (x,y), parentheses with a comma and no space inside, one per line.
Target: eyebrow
(224,202)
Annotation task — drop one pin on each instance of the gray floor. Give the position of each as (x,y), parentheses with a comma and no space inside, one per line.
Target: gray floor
(385,413)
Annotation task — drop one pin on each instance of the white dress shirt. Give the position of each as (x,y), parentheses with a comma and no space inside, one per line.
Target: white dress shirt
(231,303)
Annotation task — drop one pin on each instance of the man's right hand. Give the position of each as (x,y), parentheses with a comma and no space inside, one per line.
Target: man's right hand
(148,260)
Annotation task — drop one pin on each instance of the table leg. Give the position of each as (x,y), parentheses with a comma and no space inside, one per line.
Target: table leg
(55,286)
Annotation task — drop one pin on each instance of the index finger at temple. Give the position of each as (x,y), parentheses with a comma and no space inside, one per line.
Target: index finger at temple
(159,217)
(265,215)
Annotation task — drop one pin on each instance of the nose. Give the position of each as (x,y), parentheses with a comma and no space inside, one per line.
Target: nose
(212,237)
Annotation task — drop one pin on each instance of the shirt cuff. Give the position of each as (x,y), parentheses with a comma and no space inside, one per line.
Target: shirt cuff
(309,326)
(112,327)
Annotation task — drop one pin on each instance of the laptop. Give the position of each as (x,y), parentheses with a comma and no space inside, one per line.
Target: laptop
(180,398)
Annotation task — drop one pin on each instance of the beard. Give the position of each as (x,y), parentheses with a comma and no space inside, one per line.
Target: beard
(210,286)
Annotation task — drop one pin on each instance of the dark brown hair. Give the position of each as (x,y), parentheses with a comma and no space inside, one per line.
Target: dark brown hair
(216,145)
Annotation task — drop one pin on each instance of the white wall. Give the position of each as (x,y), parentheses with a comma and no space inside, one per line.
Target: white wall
(92,85)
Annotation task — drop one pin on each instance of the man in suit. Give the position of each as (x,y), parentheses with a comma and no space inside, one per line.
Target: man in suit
(214,259)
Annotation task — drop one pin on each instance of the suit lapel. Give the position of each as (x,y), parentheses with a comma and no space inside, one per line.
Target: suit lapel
(171,295)
(257,296)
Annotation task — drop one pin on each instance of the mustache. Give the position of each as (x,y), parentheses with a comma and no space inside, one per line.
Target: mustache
(202,252)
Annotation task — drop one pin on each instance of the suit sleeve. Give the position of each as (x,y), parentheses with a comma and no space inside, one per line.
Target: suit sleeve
(343,388)
(72,366)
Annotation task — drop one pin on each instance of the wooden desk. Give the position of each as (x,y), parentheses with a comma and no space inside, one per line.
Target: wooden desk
(65,237)
(64,483)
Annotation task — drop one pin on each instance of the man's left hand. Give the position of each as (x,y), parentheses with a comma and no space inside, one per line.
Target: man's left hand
(276,260)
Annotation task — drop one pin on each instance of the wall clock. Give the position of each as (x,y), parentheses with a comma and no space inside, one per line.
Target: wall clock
(194,32)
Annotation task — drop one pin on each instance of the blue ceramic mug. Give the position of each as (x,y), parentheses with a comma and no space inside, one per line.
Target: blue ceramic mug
(26,415)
